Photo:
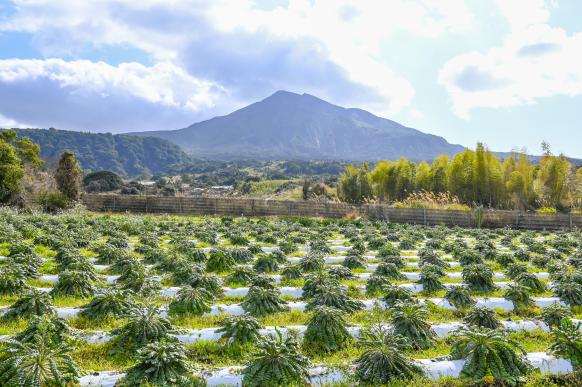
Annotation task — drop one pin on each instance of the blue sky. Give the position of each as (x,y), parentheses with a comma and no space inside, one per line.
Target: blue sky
(508,73)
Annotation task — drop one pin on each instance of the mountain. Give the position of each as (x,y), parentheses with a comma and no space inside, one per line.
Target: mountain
(125,155)
(288,126)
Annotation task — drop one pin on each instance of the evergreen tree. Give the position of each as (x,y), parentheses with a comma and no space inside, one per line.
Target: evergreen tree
(68,176)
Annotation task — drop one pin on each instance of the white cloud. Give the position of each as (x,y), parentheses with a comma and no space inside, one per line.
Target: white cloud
(326,48)
(98,96)
(535,61)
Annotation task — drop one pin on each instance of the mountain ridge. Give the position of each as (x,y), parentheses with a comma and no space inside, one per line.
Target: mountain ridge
(291,126)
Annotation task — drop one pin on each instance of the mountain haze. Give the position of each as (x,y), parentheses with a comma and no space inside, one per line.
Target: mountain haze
(288,126)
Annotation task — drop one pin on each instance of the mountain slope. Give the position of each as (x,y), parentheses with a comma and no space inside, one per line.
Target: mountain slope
(126,155)
(292,126)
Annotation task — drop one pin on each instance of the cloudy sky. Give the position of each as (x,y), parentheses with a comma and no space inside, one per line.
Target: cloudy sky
(506,72)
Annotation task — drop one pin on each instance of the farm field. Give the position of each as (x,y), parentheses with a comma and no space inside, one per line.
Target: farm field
(177,300)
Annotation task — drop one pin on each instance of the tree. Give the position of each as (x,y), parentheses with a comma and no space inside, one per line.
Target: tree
(277,362)
(16,154)
(383,359)
(68,176)
(37,363)
(354,185)
(489,353)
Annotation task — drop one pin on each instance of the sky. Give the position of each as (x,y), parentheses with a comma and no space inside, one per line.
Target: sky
(504,72)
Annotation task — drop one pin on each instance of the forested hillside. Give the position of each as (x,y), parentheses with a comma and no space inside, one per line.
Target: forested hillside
(125,155)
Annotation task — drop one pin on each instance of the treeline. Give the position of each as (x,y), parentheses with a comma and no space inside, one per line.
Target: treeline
(123,154)
(475,177)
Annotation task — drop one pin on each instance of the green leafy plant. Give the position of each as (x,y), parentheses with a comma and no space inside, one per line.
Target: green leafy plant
(519,296)
(277,362)
(191,301)
(334,296)
(37,363)
(383,359)
(569,292)
(567,342)
(483,317)
(74,284)
(241,329)
(459,297)
(531,281)
(488,353)
(220,261)
(409,320)
(479,277)
(144,325)
(50,327)
(260,301)
(33,303)
(108,304)
(554,313)
(326,331)
(394,293)
(162,363)
(12,282)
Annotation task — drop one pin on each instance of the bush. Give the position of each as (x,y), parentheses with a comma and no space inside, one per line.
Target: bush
(102,181)
(53,202)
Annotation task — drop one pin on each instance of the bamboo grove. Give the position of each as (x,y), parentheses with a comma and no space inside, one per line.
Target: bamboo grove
(474,177)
